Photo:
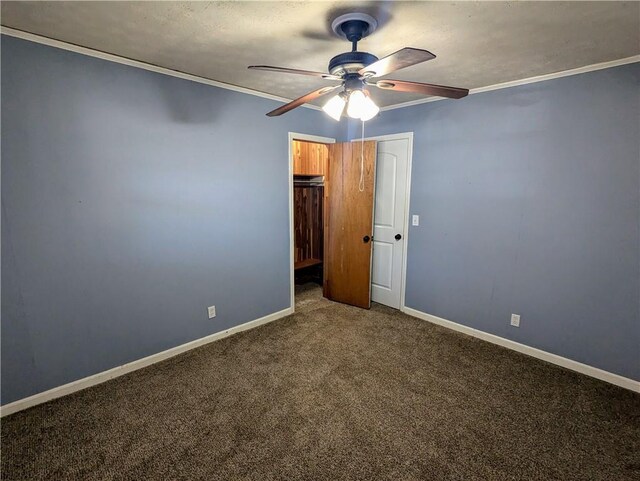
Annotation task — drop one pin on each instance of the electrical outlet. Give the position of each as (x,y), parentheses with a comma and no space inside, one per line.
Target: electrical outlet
(212,311)
(515,320)
(415,220)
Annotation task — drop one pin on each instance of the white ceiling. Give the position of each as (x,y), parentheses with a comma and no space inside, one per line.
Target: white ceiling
(477,43)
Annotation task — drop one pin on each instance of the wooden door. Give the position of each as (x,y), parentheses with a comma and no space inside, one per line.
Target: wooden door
(349,223)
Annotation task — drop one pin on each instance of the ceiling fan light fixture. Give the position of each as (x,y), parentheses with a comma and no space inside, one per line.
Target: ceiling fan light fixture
(369,109)
(355,108)
(335,106)
(361,106)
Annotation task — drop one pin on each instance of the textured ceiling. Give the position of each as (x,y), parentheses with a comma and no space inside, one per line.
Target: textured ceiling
(477,43)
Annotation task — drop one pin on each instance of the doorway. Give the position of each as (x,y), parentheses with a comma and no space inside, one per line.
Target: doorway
(307,168)
(333,200)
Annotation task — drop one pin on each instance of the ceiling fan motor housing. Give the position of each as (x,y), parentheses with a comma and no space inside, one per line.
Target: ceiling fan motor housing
(353,82)
(350,62)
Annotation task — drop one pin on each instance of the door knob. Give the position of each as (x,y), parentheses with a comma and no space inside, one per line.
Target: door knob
(398,237)
(366,239)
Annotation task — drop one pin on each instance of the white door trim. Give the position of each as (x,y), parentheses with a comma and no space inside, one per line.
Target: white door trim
(311,138)
(405,234)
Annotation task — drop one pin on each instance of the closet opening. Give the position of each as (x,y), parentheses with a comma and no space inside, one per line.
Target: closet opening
(309,162)
(331,193)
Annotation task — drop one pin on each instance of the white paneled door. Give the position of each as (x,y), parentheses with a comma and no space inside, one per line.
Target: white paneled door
(392,168)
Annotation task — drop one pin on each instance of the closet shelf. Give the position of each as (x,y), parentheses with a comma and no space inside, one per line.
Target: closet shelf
(307,263)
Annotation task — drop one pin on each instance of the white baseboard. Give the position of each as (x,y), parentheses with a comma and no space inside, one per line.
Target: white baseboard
(530,351)
(101,377)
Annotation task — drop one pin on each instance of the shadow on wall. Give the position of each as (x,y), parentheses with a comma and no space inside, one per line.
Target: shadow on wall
(191,106)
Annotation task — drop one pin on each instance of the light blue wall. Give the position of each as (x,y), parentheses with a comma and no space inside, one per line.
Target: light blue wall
(131,201)
(529,201)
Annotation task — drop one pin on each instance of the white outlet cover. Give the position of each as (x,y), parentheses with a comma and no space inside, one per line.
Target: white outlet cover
(212,311)
(515,320)
(415,220)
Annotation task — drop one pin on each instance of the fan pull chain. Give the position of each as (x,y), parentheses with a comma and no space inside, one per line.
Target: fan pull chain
(361,184)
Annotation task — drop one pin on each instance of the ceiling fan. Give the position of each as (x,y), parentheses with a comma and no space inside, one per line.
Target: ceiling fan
(358,70)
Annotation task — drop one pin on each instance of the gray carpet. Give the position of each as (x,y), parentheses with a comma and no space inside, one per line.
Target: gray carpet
(332,393)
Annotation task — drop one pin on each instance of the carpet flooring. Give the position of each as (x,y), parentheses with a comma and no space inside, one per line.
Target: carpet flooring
(334,393)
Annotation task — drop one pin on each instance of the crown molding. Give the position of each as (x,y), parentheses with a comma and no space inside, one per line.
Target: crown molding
(12,32)
(530,80)
(194,78)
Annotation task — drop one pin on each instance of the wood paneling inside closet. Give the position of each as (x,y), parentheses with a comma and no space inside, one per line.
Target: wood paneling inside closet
(309,158)
(308,201)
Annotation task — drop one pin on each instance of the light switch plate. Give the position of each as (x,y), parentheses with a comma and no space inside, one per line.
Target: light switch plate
(415,220)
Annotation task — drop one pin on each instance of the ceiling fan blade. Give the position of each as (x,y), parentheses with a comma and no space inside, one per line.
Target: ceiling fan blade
(309,73)
(302,100)
(402,58)
(420,88)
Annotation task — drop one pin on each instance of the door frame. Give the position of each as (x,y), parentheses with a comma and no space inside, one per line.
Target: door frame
(310,138)
(407,215)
